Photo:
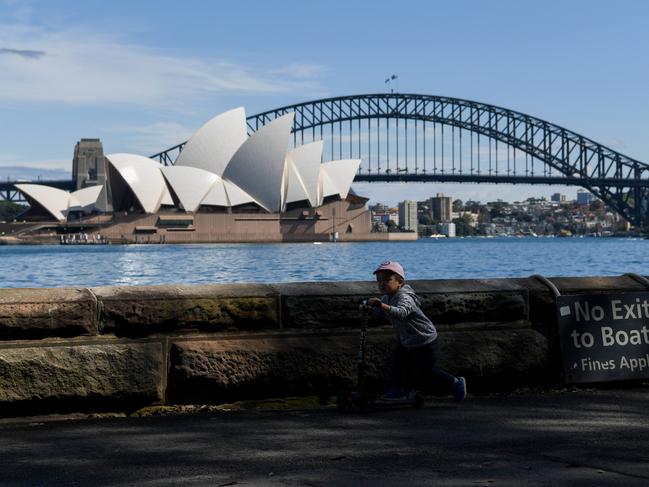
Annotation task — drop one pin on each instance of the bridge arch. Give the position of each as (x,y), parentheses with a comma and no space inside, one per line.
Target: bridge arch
(401,137)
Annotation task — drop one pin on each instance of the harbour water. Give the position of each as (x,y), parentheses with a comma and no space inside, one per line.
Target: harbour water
(115,265)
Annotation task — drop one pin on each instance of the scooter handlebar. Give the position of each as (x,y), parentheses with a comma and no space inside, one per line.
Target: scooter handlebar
(361,302)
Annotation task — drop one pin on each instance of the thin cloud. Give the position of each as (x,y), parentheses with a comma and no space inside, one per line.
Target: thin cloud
(301,70)
(149,139)
(26,53)
(12,160)
(104,70)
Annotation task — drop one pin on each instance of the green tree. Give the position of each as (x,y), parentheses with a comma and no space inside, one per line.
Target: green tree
(425,219)
(463,226)
(497,208)
(472,206)
(10,210)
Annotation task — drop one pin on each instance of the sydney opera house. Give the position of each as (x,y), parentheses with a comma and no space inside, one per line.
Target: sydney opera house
(225,186)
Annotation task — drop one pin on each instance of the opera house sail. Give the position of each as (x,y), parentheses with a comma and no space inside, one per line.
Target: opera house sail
(224,186)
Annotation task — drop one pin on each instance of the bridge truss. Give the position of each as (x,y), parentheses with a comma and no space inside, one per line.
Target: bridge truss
(423,138)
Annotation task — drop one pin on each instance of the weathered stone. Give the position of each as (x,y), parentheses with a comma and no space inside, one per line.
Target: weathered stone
(36,313)
(474,307)
(324,304)
(333,305)
(115,373)
(151,309)
(475,300)
(498,360)
(595,285)
(219,371)
(498,333)
(222,370)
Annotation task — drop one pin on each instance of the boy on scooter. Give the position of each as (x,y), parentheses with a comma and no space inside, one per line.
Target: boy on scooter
(416,352)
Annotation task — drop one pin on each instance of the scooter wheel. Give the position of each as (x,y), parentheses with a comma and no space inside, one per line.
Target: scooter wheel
(418,400)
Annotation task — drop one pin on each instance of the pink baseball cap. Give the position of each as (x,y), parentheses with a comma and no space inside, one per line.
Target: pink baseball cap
(392,267)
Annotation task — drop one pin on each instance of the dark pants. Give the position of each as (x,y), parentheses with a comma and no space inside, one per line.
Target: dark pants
(416,368)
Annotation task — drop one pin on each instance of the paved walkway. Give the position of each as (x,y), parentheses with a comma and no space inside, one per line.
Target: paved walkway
(572,439)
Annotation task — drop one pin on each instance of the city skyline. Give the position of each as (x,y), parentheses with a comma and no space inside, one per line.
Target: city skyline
(142,77)
(581,197)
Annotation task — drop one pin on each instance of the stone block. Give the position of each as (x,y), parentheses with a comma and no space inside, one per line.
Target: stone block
(81,375)
(500,360)
(334,305)
(475,300)
(597,284)
(37,313)
(224,370)
(474,306)
(142,310)
(323,305)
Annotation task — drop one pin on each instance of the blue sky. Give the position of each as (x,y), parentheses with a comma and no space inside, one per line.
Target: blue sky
(144,75)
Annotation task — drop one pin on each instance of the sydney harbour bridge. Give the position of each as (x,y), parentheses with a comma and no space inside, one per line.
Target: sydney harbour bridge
(424,138)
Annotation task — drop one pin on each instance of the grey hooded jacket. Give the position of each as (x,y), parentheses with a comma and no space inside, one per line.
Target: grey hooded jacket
(412,325)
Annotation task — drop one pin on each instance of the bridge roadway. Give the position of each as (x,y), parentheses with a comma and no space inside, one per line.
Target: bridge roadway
(405,177)
(566,438)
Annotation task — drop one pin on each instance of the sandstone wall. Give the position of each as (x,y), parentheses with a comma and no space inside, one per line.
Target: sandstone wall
(125,347)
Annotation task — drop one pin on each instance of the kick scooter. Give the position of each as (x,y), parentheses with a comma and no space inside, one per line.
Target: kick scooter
(360,398)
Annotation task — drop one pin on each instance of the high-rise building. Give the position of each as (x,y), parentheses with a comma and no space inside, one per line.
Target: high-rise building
(441,208)
(447,229)
(558,198)
(584,197)
(408,215)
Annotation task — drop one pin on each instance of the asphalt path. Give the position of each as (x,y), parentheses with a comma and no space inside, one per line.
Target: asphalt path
(552,438)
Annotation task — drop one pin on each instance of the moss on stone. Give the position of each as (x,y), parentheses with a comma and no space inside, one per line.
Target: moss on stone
(204,313)
(308,402)
(155,410)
